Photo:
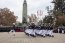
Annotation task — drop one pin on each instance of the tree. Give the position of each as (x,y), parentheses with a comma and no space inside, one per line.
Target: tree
(7,17)
(33,18)
(60,20)
(59,6)
(59,11)
(48,19)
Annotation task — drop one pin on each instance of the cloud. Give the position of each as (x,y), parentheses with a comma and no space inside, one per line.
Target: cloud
(33,6)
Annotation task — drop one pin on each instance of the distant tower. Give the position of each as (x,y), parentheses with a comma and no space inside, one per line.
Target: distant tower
(24,15)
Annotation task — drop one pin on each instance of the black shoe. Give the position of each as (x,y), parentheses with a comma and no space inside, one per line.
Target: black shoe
(43,36)
(52,36)
(32,35)
(27,34)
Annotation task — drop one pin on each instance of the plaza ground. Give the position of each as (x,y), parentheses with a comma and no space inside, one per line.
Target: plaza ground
(20,37)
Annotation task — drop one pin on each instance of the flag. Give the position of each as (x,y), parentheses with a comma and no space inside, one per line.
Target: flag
(39,13)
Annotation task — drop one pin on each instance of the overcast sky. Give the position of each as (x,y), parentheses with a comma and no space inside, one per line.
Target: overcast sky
(33,6)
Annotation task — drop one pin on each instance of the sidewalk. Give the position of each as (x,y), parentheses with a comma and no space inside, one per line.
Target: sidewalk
(22,38)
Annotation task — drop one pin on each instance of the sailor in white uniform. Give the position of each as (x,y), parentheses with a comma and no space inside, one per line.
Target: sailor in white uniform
(30,31)
(51,31)
(43,30)
(47,30)
(12,32)
(38,31)
(63,29)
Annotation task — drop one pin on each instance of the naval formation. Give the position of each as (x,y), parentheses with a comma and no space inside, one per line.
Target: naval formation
(41,30)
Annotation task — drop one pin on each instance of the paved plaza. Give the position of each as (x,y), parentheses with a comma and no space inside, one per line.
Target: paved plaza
(20,37)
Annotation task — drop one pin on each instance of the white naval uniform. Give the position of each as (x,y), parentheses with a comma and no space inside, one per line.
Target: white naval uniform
(12,32)
(63,31)
(43,32)
(51,32)
(58,30)
(30,31)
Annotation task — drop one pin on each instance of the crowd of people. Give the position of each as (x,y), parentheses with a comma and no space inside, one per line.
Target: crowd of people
(61,29)
(41,30)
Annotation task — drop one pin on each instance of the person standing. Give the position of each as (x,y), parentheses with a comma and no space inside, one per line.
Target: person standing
(51,31)
(43,30)
(62,29)
(59,29)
